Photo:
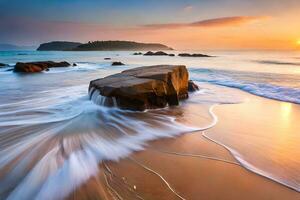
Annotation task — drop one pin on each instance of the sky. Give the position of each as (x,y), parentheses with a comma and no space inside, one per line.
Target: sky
(181,24)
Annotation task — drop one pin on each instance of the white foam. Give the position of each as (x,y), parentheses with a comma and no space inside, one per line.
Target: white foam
(257,84)
(97,133)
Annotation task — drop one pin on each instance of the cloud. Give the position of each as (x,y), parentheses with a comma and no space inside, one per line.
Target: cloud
(33,31)
(29,30)
(188,8)
(216,22)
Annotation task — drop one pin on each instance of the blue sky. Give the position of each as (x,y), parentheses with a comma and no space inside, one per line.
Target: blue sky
(138,11)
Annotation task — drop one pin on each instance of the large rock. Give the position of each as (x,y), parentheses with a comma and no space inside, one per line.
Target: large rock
(144,87)
(38,66)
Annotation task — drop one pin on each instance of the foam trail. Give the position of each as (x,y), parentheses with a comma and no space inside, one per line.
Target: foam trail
(129,187)
(249,166)
(160,176)
(198,156)
(238,156)
(59,157)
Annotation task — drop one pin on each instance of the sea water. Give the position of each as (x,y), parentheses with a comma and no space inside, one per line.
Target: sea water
(52,136)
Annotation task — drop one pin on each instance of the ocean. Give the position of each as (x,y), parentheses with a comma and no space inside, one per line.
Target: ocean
(51,132)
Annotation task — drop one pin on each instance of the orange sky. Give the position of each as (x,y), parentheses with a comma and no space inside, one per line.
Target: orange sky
(266,32)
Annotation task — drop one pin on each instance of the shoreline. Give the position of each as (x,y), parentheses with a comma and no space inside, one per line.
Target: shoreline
(135,170)
(198,150)
(245,167)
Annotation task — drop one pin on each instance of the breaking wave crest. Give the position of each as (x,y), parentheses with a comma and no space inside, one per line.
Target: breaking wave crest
(264,85)
(50,145)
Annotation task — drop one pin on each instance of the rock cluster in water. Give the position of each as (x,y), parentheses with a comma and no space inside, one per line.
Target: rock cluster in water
(193,55)
(144,87)
(158,53)
(38,66)
(161,53)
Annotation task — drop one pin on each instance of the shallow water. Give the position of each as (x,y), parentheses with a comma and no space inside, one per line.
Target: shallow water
(52,137)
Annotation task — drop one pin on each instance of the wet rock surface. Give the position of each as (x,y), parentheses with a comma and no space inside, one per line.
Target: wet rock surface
(32,67)
(192,87)
(144,87)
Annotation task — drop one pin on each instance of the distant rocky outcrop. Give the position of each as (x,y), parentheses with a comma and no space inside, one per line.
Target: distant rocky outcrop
(137,53)
(38,66)
(193,55)
(3,65)
(142,88)
(101,46)
(117,63)
(58,46)
(119,46)
(158,53)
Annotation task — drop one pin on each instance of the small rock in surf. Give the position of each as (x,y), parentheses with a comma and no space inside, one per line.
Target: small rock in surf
(117,63)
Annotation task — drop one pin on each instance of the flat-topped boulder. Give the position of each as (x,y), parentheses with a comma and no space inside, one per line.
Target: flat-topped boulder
(38,66)
(143,87)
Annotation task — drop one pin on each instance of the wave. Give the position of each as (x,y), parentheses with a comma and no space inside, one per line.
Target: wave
(260,85)
(275,62)
(53,144)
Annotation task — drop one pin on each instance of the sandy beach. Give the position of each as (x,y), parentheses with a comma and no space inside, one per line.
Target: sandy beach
(186,176)
(191,166)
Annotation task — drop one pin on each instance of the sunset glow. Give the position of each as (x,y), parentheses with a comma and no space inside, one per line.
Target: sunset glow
(179,24)
(149,99)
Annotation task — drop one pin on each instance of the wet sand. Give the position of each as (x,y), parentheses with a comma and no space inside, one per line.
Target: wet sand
(189,176)
(186,167)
